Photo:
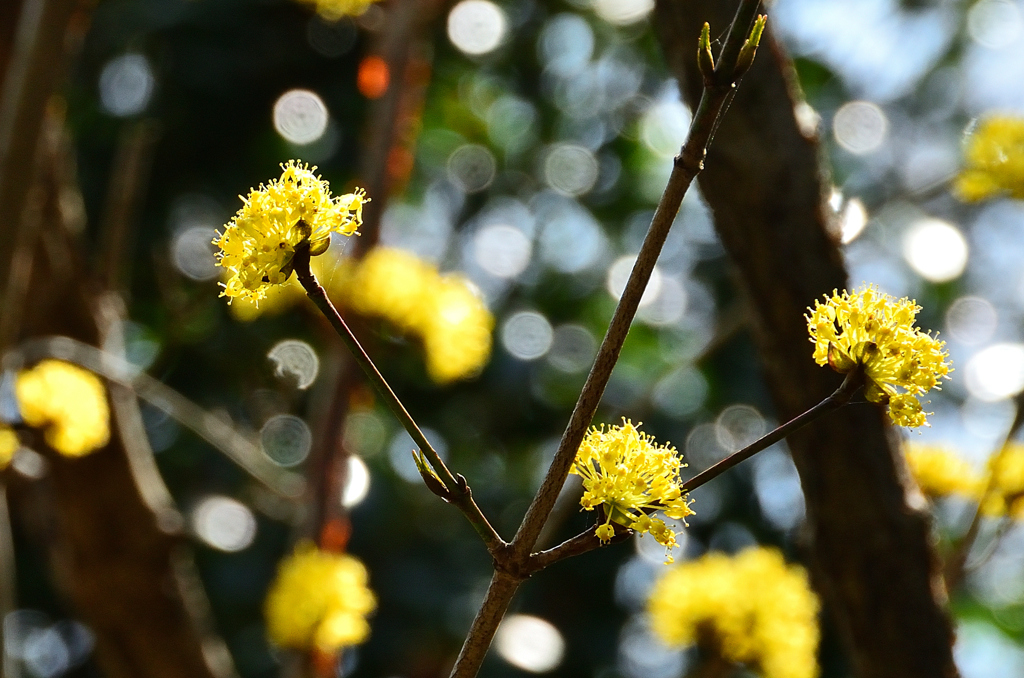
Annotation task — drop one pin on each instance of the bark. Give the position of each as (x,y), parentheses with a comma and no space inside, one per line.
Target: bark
(870,552)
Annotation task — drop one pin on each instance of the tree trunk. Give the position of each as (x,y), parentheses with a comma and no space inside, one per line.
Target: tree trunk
(869,551)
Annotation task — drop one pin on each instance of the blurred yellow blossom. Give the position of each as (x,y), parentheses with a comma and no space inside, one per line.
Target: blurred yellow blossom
(69,402)
(258,244)
(443,311)
(332,10)
(8,445)
(319,599)
(994,159)
(629,476)
(751,608)
(941,472)
(1006,495)
(869,329)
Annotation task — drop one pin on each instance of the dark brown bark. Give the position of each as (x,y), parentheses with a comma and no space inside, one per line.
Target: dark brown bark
(110,547)
(869,550)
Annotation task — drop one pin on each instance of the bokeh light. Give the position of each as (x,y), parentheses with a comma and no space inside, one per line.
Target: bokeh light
(739,425)
(570,170)
(623,12)
(126,85)
(573,348)
(566,44)
(501,250)
(680,392)
(286,439)
(935,249)
(374,77)
(971,320)
(994,23)
(471,167)
(224,524)
(400,453)
(296,359)
(476,27)
(996,372)
(300,116)
(527,335)
(664,126)
(192,253)
(357,482)
(860,127)
(778,489)
(618,276)
(852,220)
(529,643)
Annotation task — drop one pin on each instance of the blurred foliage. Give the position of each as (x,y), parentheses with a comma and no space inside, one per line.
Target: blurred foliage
(580,121)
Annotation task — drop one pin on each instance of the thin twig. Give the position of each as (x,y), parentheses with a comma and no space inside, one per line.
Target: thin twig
(687,165)
(955,564)
(841,396)
(222,435)
(455,490)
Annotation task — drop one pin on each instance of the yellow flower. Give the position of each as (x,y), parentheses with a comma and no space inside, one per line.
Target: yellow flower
(69,402)
(994,156)
(443,311)
(8,445)
(752,609)
(258,244)
(1007,495)
(629,476)
(319,599)
(332,10)
(874,331)
(940,472)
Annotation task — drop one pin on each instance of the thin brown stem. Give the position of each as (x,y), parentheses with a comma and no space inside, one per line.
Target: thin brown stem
(854,380)
(688,164)
(456,490)
(955,564)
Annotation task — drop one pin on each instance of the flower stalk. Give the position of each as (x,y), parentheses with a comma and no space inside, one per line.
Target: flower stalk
(453,488)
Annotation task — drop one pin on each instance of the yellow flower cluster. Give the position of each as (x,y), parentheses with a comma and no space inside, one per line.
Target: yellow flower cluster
(69,402)
(940,472)
(332,10)
(871,330)
(1007,495)
(319,599)
(258,244)
(629,476)
(994,158)
(8,445)
(441,310)
(752,609)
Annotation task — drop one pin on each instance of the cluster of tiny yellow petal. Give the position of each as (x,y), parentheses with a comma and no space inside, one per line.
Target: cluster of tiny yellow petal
(443,311)
(994,158)
(869,330)
(69,402)
(8,445)
(332,10)
(319,600)
(258,244)
(628,476)
(941,472)
(751,609)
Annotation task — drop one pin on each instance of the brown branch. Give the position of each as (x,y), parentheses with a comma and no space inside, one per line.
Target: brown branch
(452,488)
(870,551)
(717,90)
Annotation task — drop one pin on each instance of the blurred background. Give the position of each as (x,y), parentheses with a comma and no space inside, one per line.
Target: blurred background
(522,144)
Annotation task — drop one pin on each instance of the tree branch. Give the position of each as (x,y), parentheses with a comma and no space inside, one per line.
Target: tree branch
(870,551)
